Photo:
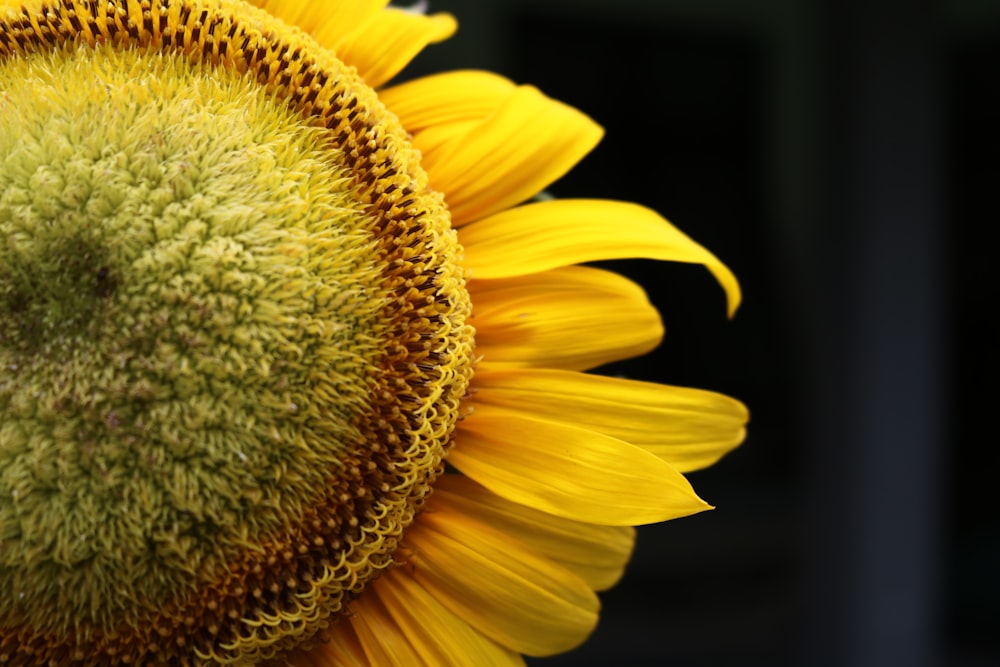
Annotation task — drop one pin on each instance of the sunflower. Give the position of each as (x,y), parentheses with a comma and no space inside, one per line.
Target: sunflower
(294,360)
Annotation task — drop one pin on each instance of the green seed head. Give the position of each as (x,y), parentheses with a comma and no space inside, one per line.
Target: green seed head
(179,285)
(201,342)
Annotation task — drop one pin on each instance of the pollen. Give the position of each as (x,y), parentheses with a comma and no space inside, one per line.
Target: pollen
(233,336)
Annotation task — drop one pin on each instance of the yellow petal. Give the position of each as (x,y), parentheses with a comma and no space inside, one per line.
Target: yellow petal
(596,554)
(569,471)
(530,141)
(322,17)
(565,318)
(544,235)
(450,97)
(436,633)
(383,45)
(377,41)
(379,636)
(440,136)
(688,428)
(502,589)
(342,650)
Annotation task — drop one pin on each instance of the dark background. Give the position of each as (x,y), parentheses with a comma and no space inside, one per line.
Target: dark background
(842,159)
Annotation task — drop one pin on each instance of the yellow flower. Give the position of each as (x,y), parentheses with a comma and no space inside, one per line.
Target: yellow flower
(253,298)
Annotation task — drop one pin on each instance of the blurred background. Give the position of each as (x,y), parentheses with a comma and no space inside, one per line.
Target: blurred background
(842,157)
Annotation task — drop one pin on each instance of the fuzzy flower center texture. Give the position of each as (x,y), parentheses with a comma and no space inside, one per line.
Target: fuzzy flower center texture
(234,344)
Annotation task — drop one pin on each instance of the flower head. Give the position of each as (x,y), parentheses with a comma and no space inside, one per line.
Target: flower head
(252,300)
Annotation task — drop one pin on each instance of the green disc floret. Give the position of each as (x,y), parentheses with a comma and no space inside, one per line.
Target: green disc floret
(183,271)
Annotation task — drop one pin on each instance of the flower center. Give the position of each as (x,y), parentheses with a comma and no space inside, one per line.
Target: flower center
(232,334)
